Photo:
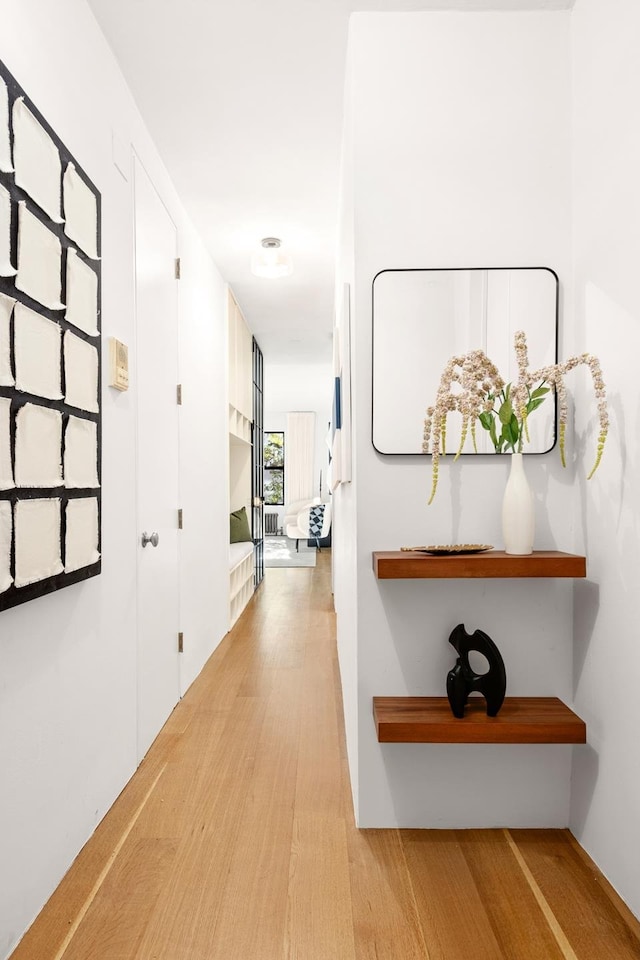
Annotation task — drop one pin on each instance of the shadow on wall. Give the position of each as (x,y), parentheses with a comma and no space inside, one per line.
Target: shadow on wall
(586,604)
(583,785)
(608,522)
(612,333)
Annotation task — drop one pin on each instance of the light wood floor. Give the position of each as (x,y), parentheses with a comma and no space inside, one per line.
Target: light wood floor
(235,839)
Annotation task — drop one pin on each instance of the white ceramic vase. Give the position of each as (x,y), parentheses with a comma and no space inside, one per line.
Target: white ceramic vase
(518,518)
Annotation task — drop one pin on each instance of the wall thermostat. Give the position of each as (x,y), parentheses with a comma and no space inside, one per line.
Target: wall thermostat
(119,364)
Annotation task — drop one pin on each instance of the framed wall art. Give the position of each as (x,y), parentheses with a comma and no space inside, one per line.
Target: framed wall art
(50,358)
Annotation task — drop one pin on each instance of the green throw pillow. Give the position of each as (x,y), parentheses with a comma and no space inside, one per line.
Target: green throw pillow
(239,526)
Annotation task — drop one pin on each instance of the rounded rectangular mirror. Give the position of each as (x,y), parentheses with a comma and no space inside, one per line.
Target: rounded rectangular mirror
(421,318)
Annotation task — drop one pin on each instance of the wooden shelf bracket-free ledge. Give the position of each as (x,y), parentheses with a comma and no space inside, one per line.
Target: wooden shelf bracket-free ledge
(408,565)
(520,720)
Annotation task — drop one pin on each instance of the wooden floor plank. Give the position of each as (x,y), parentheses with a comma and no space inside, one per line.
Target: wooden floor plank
(186,913)
(585,913)
(512,909)
(116,920)
(251,920)
(319,918)
(451,907)
(319,922)
(385,917)
(319,780)
(180,804)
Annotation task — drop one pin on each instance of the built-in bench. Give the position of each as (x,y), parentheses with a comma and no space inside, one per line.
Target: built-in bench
(240,578)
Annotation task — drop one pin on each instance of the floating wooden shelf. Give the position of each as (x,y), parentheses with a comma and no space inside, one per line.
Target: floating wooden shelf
(520,720)
(404,565)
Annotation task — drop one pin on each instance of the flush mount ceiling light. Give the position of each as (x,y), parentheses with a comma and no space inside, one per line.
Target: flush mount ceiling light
(270,261)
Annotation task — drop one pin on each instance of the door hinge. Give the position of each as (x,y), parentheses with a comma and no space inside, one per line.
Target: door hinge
(180,519)
(177,268)
(179,394)
(181,642)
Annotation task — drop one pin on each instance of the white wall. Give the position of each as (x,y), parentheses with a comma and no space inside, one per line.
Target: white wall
(344,552)
(461,157)
(605,807)
(239,475)
(68,661)
(204,550)
(289,387)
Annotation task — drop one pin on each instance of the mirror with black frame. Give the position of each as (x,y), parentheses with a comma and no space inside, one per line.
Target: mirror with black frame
(423,317)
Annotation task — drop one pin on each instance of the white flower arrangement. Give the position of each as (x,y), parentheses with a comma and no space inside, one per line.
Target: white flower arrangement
(481,386)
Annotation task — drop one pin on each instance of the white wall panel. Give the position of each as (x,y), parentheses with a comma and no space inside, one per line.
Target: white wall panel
(605,799)
(68,661)
(460,131)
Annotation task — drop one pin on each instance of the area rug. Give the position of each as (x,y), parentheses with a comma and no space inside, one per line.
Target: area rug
(281,552)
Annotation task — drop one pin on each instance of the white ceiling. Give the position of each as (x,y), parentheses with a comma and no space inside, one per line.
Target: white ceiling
(243,99)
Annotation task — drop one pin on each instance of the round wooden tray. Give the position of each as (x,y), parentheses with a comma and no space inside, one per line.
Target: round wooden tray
(443,549)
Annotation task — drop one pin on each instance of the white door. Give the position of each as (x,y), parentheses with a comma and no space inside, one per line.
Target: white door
(157,378)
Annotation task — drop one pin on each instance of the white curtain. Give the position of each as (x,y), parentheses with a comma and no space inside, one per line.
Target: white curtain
(299,448)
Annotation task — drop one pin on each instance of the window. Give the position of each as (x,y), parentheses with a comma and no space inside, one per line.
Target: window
(274,469)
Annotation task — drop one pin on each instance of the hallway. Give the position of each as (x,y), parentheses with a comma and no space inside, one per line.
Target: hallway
(235,839)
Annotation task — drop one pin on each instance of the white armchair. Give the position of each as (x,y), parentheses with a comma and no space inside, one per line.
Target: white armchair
(292,510)
(311,522)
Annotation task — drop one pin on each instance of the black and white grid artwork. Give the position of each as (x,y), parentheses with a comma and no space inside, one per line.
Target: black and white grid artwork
(50,348)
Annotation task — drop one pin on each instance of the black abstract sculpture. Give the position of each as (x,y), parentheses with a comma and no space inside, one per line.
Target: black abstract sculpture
(462,680)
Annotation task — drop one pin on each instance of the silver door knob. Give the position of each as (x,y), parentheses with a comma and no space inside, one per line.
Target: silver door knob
(154,539)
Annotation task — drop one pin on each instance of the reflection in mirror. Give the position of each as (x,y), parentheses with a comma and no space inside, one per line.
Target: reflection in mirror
(421,318)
